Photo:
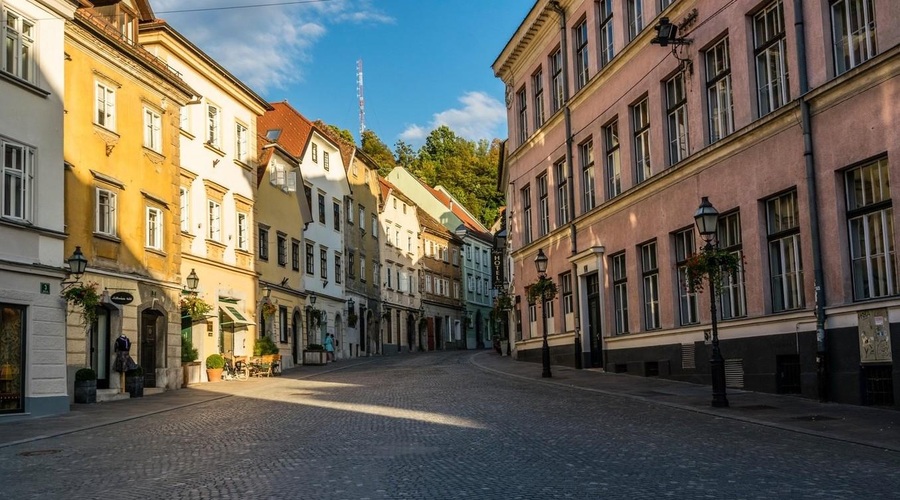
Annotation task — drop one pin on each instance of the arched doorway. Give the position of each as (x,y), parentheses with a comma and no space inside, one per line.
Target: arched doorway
(479,330)
(153,344)
(410,332)
(295,337)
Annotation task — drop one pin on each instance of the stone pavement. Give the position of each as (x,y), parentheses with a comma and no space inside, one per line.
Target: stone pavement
(878,428)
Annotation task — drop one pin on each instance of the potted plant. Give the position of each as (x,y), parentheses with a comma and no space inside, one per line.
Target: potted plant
(85,386)
(134,382)
(264,346)
(85,297)
(269,309)
(195,307)
(315,354)
(214,365)
(189,361)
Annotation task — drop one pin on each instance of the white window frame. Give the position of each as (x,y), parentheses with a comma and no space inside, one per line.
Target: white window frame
(580,37)
(677,123)
(720,100)
(785,264)
(770,48)
(635,11)
(105,105)
(605,33)
(522,114)
(537,91)
(152,130)
(871,231)
(650,275)
(16,181)
(243,231)
(732,293)
(213,125)
(241,138)
(843,13)
(620,292)
(613,159)
(19,35)
(105,213)
(640,119)
(688,302)
(214,220)
(184,196)
(561,174)
(154,228)
(588,179)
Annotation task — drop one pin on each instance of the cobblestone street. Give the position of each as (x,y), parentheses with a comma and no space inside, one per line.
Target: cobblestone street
(435,426)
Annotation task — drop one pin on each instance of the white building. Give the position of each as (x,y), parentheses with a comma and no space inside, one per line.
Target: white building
(33,372)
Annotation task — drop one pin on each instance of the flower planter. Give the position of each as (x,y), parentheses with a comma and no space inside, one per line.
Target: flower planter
(85,391)
(214,374)
(134,385)
(315,357)
(191,373)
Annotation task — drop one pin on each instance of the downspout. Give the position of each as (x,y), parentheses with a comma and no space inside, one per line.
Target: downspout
(811,192)
(570,182)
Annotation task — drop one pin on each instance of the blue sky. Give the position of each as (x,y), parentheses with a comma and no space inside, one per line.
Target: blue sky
(425,62)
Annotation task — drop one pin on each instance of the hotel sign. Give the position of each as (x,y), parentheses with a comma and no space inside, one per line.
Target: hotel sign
(497,268)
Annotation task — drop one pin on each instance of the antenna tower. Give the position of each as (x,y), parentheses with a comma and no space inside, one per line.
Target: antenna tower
(362,100)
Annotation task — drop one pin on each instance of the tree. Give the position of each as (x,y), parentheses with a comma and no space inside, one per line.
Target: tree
(336,132)
(378,151)
(405,154)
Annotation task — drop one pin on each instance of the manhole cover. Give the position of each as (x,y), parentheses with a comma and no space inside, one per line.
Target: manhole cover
(756,407)
(37,453)
(814,418)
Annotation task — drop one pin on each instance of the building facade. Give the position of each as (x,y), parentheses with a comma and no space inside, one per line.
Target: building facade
(617,132)
(33,368)
(122,182)
(443,303)
(217,193)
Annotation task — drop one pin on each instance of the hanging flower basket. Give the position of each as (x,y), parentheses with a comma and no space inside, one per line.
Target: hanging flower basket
(503,303)
(195,307)
(269,309)
(84,296)
(315,315)
(543,287)
(712,265)
(352,318)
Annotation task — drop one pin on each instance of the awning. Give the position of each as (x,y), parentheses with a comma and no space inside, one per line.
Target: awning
(234,315)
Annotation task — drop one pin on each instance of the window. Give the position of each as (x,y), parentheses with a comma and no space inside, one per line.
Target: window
(282,324)
(362,219)
(323,262)
(310,263)
(428,283)
(307,191)
(718,90)
(526,214)
(522,111)
(581,54)
(325,164)
(214,231)
(771,66)
(374,226)
(154,228)
(635,9)
(263,243)
(562,192)
(556,81)
(676,111)
(640,117)
(732,295)
(349,210)
(543,205)
(351,264)
(152,130)
(106,106)
(281,239)
(390,277)
(106,212)
(295,255)
(18,41)
(321,208)
(785,267)
(853,31)
(240,142)
(568,305)
(613,166)
(185,119)
(315,153)
(605,37)
(212,125)
(184,196)
(537,89)
(620,292)
(362,269)
(687,299)
(650,272)
(589,194)
(869,220)
(243,231)
(338,269)
(336,212)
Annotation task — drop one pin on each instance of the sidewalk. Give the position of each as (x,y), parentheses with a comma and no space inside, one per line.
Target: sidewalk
(875,427)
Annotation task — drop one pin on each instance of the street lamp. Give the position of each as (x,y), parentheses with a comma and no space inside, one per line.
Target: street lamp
(707,221)
(193,281)
(77,263)
(540,262)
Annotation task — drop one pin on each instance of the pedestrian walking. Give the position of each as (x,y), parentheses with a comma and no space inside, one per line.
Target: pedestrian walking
(329,346)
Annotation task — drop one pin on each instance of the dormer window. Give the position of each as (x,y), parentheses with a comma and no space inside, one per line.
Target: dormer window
(122,19)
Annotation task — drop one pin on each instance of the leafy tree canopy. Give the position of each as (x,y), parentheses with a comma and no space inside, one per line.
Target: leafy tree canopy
(378,151)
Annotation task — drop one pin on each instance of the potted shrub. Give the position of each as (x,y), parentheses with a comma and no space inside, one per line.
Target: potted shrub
(134,382)
(85,386)
(214,365)
(315,354)
(189,361)
(264,346)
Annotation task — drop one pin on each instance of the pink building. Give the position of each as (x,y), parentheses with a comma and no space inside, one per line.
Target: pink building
(784,114)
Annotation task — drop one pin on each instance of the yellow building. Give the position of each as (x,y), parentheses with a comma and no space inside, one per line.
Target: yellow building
(121,147)
(217,189)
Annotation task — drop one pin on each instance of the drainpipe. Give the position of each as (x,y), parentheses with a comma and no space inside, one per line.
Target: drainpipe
(573,235)
(811,192)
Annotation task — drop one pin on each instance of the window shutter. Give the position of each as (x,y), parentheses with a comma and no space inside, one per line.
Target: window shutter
(291,182)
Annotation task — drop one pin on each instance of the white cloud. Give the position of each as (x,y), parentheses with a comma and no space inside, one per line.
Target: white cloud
(480,117)
(267,46)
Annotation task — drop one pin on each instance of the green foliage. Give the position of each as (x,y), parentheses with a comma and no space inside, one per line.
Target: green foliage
(85,374)
(352,318)
(315,347)
(188,352)
(84,296)
(215,361)
(378,151)
(263,346)
(545,287)
(711,264)
(269,309)
(194,306)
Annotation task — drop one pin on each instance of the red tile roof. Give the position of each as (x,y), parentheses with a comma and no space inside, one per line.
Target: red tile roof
(295,128)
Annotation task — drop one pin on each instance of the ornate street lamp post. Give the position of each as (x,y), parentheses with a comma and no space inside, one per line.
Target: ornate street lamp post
(707,220)
(540,263)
